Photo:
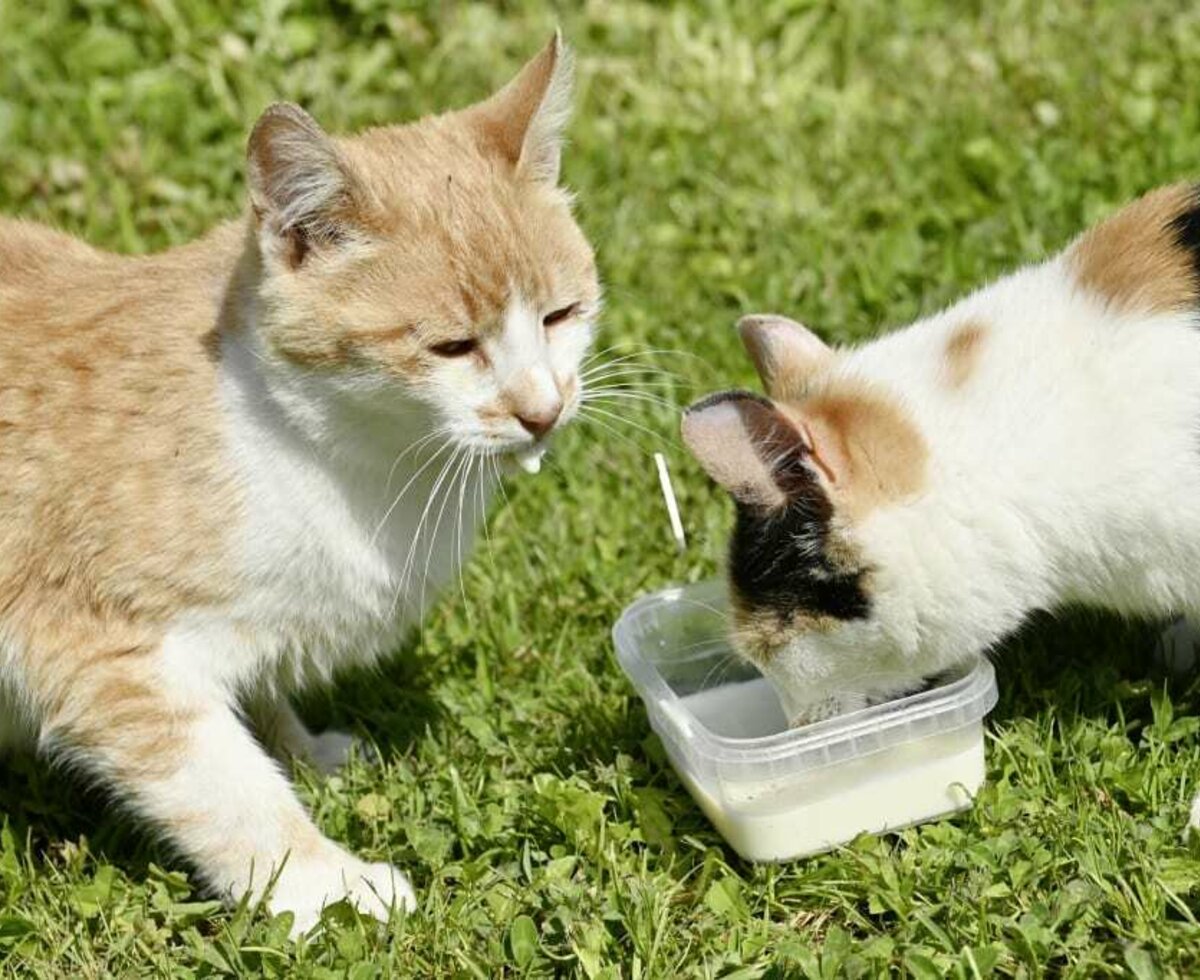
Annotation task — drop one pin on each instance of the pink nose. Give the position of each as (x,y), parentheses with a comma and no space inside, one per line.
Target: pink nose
(537,424)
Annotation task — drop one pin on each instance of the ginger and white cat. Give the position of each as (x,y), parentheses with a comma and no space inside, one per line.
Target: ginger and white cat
(908,502)
(233,467)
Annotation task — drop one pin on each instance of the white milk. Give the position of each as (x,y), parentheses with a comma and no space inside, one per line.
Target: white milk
(776,793)
(814,810)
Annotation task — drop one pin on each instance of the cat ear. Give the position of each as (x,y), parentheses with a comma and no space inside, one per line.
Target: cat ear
(785,353)
(748,447)
(302,191)
(524,121)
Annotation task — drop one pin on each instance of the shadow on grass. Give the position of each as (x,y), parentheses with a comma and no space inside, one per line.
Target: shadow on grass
(1086,664)
(1079,664)
(48,807)
(391,703)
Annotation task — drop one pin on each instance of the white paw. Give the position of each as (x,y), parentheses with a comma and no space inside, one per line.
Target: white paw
(329,751)
(1177,647)
(1193,817)
(304,888)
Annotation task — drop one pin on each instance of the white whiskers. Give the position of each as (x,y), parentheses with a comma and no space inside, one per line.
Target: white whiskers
(403,490)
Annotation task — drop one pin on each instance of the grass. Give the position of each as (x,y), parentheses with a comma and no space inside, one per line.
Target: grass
(853,165)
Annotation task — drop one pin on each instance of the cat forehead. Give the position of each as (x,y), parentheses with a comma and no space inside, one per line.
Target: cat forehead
(454,218)
(434,172)
(468,258)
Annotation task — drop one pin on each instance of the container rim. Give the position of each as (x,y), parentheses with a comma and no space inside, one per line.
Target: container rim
(962,701)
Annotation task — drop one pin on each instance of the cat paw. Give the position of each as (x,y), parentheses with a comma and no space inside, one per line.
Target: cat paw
(1177,648)
(330,751)
(307,887)
(1192,830)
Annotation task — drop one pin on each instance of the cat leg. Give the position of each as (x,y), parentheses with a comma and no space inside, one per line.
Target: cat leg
(181,757)
(1177,649)
(287,737)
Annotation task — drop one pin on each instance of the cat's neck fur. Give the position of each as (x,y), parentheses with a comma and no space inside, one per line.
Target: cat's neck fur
(353,520)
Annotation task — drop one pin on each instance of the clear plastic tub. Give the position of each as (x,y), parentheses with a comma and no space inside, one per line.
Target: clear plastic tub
(776,793)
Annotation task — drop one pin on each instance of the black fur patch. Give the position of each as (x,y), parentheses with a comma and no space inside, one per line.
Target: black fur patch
(1185,227)
(777,558)
(733,395)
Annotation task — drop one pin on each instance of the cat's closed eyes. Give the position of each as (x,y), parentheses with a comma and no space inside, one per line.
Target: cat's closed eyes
(907,503)
(233,467)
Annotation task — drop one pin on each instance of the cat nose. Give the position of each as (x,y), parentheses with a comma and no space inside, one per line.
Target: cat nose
(538,423)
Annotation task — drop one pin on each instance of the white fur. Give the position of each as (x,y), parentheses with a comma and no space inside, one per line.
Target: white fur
(1066,469)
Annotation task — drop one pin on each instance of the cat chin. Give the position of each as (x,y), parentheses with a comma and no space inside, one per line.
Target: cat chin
(809,712)
(809,695)
(810,690)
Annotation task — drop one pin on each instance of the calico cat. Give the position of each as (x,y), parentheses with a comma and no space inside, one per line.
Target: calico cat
(908,502)
(227,466)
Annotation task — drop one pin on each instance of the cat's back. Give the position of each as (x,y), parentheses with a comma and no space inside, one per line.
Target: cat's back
(110,428)
(29,251)
(56,287)
(88,336)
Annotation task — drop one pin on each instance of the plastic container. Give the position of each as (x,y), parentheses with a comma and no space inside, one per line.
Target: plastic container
(776,793)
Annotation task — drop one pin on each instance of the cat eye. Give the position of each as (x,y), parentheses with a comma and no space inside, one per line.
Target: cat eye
(454,348)
(550,319)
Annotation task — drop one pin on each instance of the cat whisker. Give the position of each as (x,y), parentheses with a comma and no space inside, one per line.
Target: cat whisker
(627,367)
(403,490)
(661,379)
(716,674)
(632,381)
(425,440)
(509,509)
(623,358)
(722,614)
(447,494)
(608,372)
(595,356)
(462,489)
(629,382)
(634,354)
(481,501)
(590,409)
(639,398)
(585,413)
(626,387)
(414,544)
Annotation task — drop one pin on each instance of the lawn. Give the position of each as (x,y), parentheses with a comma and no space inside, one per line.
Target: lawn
(853,165)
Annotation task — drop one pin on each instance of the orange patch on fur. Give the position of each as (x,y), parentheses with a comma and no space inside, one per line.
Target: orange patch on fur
(1135,260)
(962,352)
(117,500)
(872,450)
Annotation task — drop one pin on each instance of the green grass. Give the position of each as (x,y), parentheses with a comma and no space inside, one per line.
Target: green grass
(853,167)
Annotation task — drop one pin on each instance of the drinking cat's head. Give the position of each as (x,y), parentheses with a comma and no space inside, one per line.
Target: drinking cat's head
(807,468)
